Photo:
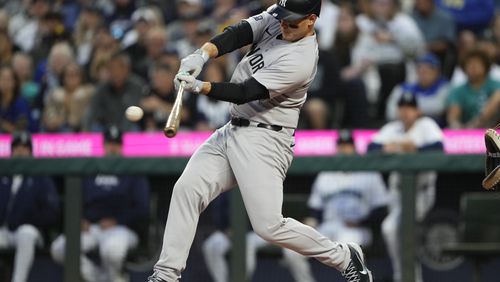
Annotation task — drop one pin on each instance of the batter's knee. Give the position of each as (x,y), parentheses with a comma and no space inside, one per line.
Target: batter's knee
(267,230)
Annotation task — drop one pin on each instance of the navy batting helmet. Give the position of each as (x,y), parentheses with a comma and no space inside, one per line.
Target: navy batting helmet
(290,10)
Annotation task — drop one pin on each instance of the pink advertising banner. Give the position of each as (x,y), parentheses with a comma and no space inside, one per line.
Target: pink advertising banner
(307,143)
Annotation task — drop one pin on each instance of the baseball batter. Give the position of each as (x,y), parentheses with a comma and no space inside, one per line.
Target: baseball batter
(254,150)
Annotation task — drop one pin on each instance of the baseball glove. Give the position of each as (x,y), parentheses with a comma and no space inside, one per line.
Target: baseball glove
(492,168)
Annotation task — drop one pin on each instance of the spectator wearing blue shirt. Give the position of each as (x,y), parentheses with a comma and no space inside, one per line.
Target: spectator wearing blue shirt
(431,90)
(113,206)
(474,15)
(15,113)
(438,29)
(29,205)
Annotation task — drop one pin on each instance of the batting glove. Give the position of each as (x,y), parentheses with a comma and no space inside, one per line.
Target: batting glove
(193,63)
(192,84)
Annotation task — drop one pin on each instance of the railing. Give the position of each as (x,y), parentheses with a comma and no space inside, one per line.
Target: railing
(73,168)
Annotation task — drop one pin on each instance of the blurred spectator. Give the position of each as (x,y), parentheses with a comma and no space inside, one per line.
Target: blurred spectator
(345,206)
(29,206)
(158,104)
(49,71)
(23,68)
(411,133)
(186,10)
(113,207)
(398,39)
(7,48)
(4,20)
(24,26)
(438,29)
(86,28)
(326,25)
(316,115)
(65,107)
(15,113)
(211,113)
(186,44)
(459,77)
(469,14)
(143,19)
(51,30)
(155,41)
(104,46)
(339,81)
(119,20)
(431,90)
(476,102)
(111,98)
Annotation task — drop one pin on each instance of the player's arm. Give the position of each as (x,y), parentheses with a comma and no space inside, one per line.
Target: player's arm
(238,93)
(232,38)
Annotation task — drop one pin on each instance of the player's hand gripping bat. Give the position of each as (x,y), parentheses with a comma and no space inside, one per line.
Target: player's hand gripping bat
(174,118)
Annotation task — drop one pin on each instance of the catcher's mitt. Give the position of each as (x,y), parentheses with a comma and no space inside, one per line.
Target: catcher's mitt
(492,142)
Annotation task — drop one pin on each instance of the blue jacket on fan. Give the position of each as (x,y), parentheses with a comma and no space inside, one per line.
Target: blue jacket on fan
(36,202)
(473,15)
(124,198)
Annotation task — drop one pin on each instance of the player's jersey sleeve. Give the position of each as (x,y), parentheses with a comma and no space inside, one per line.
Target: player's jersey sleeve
(285,75)
(386,134)
(259,23)
(428,132)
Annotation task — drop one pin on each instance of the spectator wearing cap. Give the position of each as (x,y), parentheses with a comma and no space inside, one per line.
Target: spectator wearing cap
(143,20)
(113,208)
(431,90)
(29,207)
(410,133)
(476,102)
(111,98)
(438,29)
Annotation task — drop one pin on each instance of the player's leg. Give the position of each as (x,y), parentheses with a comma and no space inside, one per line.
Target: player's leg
(206,175)
(88,242)
(390,232)
(260,160)
(214,249)
(114,243)
(254,242)
(26,237)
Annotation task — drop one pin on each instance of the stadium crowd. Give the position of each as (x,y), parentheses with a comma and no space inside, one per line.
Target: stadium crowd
(72,66)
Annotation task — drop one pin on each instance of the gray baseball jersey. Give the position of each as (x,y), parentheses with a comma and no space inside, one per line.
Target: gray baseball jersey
(274,62)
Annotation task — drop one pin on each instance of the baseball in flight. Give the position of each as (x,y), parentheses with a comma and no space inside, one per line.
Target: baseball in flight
(134,113)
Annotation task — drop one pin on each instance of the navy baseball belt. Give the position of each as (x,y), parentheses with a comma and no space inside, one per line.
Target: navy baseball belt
(236,121)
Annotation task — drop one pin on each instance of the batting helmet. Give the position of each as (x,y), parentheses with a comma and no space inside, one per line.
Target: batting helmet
(290,10)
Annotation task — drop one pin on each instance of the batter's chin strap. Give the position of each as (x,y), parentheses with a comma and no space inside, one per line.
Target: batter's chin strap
(492,165)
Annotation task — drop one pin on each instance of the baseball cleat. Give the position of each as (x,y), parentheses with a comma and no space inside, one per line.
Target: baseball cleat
(356,270)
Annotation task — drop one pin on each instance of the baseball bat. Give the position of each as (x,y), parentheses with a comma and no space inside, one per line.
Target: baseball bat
(174,119)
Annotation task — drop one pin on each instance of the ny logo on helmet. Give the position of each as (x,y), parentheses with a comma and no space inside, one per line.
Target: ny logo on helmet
(283,3)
